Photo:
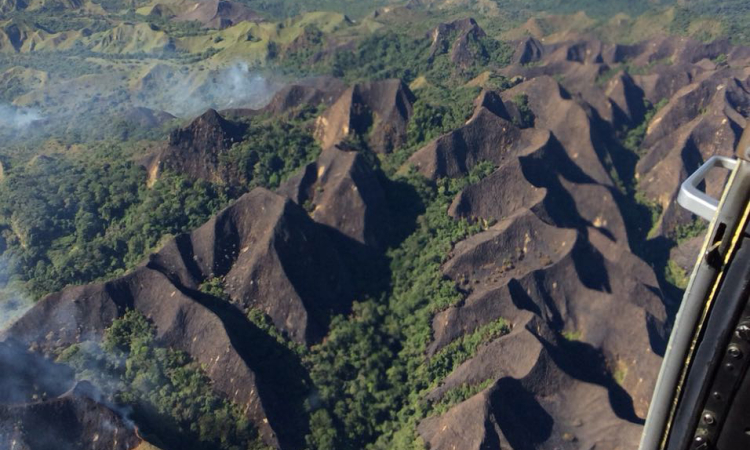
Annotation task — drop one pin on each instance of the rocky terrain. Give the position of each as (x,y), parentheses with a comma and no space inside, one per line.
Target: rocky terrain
(562,195)
(575,247)
(271,257)
(195,150)
(40,395)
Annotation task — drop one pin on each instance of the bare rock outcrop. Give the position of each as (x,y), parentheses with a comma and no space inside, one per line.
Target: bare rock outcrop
(195,150)
(314,92)
(270,255)
(488,199)
(627,100)
(528,50)
(456,38)
(341,190)
(570,122)
(704,86)
(377,110)
(42,407)
(540,277)
(558,267)
(485,137)
(539,402)
(292,98)
(76,420)
(703,119)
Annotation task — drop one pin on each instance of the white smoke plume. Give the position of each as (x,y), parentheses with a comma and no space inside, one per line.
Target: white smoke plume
(16,118)
(190,94)
(84,110)
(238,87)
(32,378)
(13,303)
(12,306)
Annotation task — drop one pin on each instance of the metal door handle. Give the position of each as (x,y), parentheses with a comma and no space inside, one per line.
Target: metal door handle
(695,201)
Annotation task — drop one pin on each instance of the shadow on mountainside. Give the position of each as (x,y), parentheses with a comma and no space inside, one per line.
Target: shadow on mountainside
(281,378)
(583,362)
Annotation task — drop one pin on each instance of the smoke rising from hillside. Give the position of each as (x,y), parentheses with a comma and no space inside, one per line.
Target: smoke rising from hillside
(12,302)
(233,87)
(86,109)
(33,379)
(89,113)
(14,117)
(12,306)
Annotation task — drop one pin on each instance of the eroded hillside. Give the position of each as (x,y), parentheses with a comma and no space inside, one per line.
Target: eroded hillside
(472,243)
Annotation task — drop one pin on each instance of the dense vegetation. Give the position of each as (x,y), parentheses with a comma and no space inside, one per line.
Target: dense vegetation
(73,218)
(171,396)
(68,222)
(396,55)
(272,150)
(732,14)
(371,371)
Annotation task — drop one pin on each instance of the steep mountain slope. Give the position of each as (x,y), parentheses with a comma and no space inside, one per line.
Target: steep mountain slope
(557,258)
(43,407)
(504,283)
(270,257)
(196,149)
(75,420)
(292,98)
(380,109)
(341,191)
(703,114)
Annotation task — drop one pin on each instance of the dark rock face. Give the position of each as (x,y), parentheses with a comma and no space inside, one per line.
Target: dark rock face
(705,113)
(664,81)
(569,120)
(28,377)
(321,90)
(194,151)
(41,408)
(702,119)
(491,101)
(456,38)
(485,137)
(680,50)
(626,99)
(270,255)
(381,109)
(283,264)
(540,403)
(488,199)
(218,13)
(557,263)
(343,192)
(528,50)
(15,36)
(73,421)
